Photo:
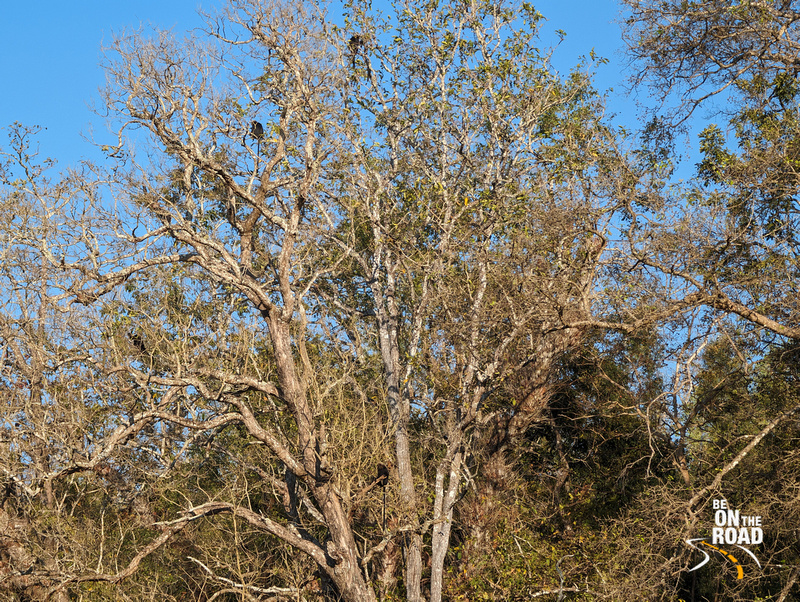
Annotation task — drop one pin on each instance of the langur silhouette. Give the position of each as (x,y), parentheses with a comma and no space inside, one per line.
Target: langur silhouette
(383,480)
(355,43)
(257,132)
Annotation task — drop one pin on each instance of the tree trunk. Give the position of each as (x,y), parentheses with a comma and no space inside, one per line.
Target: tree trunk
(399,413)
(341,552)
(443,520)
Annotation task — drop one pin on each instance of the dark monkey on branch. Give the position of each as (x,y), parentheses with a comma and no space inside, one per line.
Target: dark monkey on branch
(382,480)
(383,475)
(138,341)
(257,132)
(355,44)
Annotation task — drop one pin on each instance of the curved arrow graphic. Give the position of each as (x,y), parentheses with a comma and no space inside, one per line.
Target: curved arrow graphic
(689,541)
(753,556)
(739,569)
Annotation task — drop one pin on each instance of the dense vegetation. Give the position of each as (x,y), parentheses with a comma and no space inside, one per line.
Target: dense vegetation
(391,309)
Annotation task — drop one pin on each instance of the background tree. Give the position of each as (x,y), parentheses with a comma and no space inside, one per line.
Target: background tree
(729,244)
(51,393)
(737,241)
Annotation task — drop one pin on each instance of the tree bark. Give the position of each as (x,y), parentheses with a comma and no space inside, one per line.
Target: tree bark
(443,519)
(341,553)
(399,413)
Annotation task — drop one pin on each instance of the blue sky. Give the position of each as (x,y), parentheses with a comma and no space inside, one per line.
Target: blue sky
(50,51)
(49,63)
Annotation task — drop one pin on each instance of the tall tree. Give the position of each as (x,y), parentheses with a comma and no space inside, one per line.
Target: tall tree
(417,234)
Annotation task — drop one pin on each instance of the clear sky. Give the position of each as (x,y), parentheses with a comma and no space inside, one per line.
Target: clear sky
(49,63)
(50,51)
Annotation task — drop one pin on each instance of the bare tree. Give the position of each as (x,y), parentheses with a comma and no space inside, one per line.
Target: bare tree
(418,235)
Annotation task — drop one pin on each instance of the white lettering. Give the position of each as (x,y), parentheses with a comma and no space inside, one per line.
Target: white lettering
(744,536)
(749,533)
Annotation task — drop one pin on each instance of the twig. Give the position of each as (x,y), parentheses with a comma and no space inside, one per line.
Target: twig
(286,591)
